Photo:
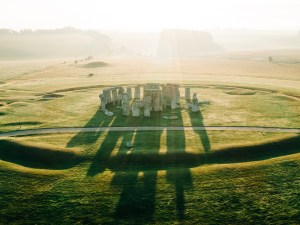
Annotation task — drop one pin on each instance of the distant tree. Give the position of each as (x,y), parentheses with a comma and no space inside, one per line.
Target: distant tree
(89,58)
(6,31)
(270,59)
(26,31)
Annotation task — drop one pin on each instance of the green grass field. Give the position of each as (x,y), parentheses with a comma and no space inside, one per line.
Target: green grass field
(167,177)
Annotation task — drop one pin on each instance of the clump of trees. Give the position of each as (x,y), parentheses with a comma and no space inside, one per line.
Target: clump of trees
(270,59)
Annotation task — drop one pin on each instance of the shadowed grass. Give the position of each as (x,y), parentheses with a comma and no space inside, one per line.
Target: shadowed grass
(23,123)
(37,157)
(178,157)
(141,188)
(53,96)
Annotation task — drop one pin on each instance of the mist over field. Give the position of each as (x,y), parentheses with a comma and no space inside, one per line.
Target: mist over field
(72,42)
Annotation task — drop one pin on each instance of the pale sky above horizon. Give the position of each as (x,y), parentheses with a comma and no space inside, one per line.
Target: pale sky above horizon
(151,15)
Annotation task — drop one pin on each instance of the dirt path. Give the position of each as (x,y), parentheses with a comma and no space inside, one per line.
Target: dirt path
(118,129)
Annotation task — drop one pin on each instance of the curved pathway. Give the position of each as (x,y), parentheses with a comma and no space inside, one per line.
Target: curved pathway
(116,129)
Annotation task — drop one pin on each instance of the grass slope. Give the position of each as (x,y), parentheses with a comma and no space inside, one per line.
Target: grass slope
(37,156)
(95,65)
(167,177)
(244,185)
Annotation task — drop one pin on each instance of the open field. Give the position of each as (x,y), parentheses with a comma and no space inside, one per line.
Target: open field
(12,69)
(167,177)
(227,106)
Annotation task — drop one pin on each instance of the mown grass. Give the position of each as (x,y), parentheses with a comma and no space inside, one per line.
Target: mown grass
(227,191)
(67,110)
(163,179)
(192,177)
(61,95)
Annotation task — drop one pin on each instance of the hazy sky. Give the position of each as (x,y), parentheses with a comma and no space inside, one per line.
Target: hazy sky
(150,15)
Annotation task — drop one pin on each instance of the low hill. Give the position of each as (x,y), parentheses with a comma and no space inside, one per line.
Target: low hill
(186,43)
(59,43)
(95,65)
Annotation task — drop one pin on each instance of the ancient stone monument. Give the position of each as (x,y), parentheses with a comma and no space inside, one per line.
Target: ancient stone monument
(156,98)
(110,95)
(153,94)
(172,95)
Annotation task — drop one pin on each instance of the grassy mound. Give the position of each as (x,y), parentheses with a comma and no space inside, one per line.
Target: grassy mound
(184,159)
(240,92)
(95,65)
(53,96)
(22,123)
(18,104)
(36,156)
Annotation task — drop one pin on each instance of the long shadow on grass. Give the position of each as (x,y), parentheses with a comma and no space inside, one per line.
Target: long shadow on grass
(237,154)
(135,169)
(138,184)
(97,120)
(37,157)
(138,187)
(179,177)
(136,172)
(112,141)
(197,120)
(252,153)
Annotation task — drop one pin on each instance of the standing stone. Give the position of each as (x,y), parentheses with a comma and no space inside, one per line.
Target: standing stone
(173,97)
(147,109)
(173,103)
(103,102)
(137,92)
(125,105)
(148,99)
(169,94)
(120,95)
(129,93)
(188,93)
(177,94)
(157,101)
(195,103)
(164,97)
(115,95)
(107,93)
(136,109)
